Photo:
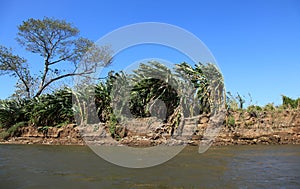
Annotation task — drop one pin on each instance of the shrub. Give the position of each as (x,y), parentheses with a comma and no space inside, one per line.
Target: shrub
(14,129)
(290,103)
(4,135)
(49,109)
(12,112)
(269,107)
(230,121)
(43,129)
(52,109)
(113,121)
(254,108)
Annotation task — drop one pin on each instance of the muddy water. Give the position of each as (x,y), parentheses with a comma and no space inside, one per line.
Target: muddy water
(38,166)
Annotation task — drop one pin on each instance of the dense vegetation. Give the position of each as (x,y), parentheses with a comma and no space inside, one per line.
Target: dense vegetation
(57,110)
(61,49)
(151,90)
(46,110)
(145,92)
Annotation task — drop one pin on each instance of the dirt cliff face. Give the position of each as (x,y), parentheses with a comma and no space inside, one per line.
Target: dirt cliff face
(240,127)
(67,135)
(265,127)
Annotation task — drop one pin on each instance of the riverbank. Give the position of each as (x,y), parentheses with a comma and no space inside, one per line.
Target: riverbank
(240,128)
(67,135)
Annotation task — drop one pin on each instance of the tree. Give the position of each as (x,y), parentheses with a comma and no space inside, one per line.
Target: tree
(288,102)
(241,100)
(16,67)
(59,44)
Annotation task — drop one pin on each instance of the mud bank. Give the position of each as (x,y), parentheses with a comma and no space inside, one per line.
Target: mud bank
(68,135)
(240,128)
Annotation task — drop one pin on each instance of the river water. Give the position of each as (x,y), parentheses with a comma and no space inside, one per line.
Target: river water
(41,166)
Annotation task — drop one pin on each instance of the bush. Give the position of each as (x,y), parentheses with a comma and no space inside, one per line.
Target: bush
(13,130)
(113,121)
(230,121)
(269,107)
(12,112)
(290,103)
(49,109)
(43,129)
(254,108)
(52,109)
(4,135)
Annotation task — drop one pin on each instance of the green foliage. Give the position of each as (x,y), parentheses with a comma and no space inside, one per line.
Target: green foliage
(57,42)
(152,82)
(230,121)
(4,135)
(146,92)
(202,87)
(254,108)
(103,98)
(43,129)
(52,109)
(269,107)
(112,125)
(13,112)
(14,129)
(212,87)
(62,124)
(290,103)
(16,66)
(37,35)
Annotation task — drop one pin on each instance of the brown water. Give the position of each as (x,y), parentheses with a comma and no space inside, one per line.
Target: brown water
(38,166)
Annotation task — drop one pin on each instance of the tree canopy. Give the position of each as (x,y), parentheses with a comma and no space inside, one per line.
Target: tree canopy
(60,45)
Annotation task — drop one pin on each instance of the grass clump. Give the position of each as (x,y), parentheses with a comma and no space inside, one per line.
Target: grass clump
(230,121)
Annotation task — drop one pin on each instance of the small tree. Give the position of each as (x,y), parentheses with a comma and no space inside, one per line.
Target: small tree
(288,102)
(60,45)
(240,100)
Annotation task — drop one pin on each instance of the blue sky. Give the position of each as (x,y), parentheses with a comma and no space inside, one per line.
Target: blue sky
(256,42)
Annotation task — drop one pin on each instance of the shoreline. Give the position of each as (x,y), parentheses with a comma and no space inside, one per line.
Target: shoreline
(244,128)
(224,138)
(60,142)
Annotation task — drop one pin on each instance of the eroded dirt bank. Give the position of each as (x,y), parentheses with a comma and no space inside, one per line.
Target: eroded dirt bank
(273,127)
(68,135)
(240,128)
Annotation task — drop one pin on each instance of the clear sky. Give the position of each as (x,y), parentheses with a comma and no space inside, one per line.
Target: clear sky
(256,42)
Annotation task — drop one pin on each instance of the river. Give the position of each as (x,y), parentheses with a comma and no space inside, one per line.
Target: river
(42,166)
